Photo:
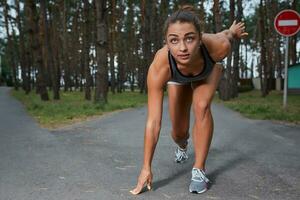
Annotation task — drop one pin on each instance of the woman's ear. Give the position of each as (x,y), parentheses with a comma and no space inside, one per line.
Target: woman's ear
(200,42)
(200,36)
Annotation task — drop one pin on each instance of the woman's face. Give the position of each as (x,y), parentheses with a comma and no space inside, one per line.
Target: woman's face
(183,42)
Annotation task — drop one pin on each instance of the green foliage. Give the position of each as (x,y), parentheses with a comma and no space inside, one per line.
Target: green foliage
(72,106)
(252,105)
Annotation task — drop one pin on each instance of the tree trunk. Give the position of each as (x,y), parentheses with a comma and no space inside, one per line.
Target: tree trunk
(86,51)
(270,41)
(224,85)
(293,41)
(217,16)
(112,46)
(11,59)
(263,61)
(75,47)
(119,49)
(155,29)
(236,55)
(33,32)
(48,52)
(101,52)
(65,49)
(146,45)
(54,19)
(163,14)
(23,57)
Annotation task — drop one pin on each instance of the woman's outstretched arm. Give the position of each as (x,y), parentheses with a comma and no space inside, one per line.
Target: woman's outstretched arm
(219,44)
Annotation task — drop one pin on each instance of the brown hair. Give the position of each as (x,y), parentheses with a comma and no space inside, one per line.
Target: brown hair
(185,13)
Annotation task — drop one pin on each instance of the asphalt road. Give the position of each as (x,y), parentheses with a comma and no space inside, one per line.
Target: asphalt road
(101,158)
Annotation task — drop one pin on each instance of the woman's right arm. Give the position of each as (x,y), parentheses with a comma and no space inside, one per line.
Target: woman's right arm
(153,124)
(155,82)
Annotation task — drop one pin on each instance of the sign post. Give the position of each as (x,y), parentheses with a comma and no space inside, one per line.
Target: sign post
(286,61)
(287,23)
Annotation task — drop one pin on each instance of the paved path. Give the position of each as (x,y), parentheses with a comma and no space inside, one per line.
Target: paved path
(101,158)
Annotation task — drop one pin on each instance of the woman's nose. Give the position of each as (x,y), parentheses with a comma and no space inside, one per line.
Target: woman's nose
(182,46)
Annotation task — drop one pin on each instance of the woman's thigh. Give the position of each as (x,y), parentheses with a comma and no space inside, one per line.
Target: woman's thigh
(180,100)
(204,90)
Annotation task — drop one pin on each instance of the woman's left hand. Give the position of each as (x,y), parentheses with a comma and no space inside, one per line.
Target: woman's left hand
(238,30)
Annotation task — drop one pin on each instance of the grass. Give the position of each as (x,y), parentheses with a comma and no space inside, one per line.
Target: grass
(72,107)
(252,105)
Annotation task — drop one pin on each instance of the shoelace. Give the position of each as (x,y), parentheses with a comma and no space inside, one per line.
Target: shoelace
(181,153)
(199,173)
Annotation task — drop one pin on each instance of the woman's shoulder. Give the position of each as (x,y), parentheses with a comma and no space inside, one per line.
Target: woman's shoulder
(159,69)
(161,61)
(217,46)
(161,56)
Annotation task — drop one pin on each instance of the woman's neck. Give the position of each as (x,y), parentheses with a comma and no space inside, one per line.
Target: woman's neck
(194,67)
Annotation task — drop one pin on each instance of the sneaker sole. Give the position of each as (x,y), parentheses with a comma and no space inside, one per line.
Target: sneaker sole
(199,192)
(180,162)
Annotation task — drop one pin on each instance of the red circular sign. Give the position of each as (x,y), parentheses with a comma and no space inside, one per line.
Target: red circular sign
(287,22)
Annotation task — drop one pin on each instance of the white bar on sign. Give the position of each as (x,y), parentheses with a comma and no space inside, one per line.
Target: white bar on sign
(288,23)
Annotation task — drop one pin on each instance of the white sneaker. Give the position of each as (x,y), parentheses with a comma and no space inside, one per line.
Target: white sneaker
(181,155)
(199,181)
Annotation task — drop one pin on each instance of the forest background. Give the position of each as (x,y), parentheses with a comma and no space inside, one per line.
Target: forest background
(100,46)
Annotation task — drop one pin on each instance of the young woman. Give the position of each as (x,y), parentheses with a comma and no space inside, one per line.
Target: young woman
(190,65)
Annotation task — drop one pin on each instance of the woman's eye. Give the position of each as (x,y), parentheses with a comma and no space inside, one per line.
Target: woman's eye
(174,41)
(189,39)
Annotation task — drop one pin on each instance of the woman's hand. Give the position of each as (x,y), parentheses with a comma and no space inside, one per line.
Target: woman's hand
(144,178)
(238,30)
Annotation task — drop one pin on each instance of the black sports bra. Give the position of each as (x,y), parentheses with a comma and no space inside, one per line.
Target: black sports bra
(177,76)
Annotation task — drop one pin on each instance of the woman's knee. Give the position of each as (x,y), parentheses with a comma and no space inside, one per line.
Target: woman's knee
(201,109)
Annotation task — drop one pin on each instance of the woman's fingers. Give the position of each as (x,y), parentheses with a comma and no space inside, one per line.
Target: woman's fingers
(244,34)
(144,178)
(149,182)
(240,30)
(137,189)
(140,186)
(149,186)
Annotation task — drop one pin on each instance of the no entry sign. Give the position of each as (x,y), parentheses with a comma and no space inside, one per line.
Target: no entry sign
(287,22)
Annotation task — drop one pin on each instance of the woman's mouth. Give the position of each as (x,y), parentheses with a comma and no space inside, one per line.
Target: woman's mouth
(184,56)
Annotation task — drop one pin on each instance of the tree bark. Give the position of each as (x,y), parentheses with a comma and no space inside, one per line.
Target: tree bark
(112,46)
(85,51)
(217,16)
(224,85)
(33,32)
(55,43)
(202,16)
(11,59)
(163,14)
(101,52)
(146,44)
(48,52)
(23,56)
(75,47)
(293,41)
(263,61)
(65,48)
(119,46)
(236,55)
